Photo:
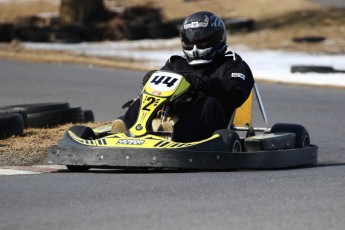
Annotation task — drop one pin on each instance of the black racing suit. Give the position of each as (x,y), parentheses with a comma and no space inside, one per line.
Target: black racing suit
(228,84)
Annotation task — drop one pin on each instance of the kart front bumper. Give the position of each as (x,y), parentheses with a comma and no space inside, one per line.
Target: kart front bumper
(182,159)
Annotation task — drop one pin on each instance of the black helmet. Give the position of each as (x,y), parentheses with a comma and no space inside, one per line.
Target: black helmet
(203,37)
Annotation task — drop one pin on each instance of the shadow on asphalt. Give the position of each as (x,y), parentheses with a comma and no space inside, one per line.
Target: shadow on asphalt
(162,171)
(329,164)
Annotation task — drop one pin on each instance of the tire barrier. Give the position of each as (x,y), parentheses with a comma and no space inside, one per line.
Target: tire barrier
(55,117)
(133,23)
(138,22)
(314,69)
(6,32)
(308,39)
(88,116)
(239,24)
(11,124)
(36,107)
(15,118)
(161,30)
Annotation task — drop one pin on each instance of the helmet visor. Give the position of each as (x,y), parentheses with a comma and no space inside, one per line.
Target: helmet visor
(201,38)
(188,45)
(198,54)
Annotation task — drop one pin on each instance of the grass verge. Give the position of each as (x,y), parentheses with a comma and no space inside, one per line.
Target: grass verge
(32,147)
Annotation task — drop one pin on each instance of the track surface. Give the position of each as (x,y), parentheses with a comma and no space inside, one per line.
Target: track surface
(302,198)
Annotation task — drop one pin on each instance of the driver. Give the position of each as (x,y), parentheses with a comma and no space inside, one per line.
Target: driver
(221,80)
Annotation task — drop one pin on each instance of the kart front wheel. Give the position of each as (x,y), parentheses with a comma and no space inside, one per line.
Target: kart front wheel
(83,132)
(77,168)
(302,135)
(231,139)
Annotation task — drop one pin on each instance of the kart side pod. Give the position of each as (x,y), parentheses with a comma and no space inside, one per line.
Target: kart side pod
(270,141)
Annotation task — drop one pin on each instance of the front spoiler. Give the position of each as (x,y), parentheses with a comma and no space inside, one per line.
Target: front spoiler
(182,159)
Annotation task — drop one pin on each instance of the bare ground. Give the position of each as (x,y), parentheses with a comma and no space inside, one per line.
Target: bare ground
(277,22)
(32,147)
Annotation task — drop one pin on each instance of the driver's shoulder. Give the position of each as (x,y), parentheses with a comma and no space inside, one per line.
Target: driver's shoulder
(176,58)
(234,58)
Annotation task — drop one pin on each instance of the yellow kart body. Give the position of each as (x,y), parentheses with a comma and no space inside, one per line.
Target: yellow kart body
(283,145)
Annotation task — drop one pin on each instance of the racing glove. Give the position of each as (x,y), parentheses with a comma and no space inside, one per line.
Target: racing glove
(196,81)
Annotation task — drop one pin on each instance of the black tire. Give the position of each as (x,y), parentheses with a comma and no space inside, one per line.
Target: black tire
(83,132)
(22,113)
(88,116)
(11,124)
(69,34)
(311,68)
(56,117)
(314,69)
(177,23)
(95,33)
(78,168)
(32,33)
(239,24)
(161,30)
(36,107)
(309,39)
(6,32)
(231,139)
(302,135)
(135,32)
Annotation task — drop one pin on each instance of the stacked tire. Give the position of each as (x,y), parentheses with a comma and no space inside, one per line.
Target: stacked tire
(15,118)
(11,124)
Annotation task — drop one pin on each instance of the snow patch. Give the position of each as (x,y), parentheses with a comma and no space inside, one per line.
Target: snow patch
(265,64)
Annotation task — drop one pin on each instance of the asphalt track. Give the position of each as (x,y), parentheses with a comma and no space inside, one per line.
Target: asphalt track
(298,198)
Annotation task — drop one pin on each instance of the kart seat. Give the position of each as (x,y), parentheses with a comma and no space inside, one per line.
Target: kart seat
(242,116)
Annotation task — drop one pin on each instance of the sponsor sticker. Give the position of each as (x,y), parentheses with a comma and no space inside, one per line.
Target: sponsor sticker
(240,75)
(155,92)
(130,142)
(196,24)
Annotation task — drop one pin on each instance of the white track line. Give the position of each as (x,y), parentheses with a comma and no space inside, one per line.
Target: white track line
(7,172)
(25,170)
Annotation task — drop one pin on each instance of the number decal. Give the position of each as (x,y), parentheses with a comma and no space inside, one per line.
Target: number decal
(163,81)
(150,100)
(168,81)
(157,80)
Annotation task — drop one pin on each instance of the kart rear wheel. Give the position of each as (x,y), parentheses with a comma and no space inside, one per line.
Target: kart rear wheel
(231,139)
(302,135)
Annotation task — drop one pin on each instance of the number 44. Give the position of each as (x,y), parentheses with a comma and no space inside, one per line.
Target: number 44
(168,81)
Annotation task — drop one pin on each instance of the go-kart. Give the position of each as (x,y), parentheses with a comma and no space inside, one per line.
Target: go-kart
(145,146)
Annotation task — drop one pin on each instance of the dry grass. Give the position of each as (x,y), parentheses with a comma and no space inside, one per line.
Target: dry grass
(17,53)
(277,23)
(257,9)
(10,11)
(32,147)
